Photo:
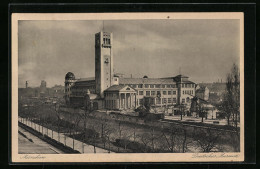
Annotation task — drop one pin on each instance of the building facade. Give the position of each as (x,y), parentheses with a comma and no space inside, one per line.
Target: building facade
(202,92)
(117,92)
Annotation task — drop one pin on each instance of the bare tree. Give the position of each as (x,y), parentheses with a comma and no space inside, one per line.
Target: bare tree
(170,138)
(207,139)
(108,130)
(75,119)
(145,139)
(88,108)
(231,101)
(93,137)
(183,137)
(59,118)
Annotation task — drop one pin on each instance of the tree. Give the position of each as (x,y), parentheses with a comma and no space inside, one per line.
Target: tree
(231,102)
(108,130)
(184,139)
(145,139)
(207,139)
(170,138)
(76,118)
(59,118)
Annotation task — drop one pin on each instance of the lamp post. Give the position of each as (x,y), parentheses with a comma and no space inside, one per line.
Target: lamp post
(202,113)
(197,110)
(181,109)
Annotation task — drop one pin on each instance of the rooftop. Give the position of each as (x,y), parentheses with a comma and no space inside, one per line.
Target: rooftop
(145,81)
(119,87)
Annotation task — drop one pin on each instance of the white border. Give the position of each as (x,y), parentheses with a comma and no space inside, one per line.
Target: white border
(122,157)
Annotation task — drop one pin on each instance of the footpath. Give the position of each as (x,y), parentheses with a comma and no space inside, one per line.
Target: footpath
(61,138)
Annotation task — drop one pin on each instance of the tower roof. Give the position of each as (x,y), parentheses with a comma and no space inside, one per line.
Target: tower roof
(70,75)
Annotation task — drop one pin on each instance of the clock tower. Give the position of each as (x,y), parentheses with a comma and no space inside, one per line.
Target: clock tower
(103,61)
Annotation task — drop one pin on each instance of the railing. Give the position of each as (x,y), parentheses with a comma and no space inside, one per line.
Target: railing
(81,147)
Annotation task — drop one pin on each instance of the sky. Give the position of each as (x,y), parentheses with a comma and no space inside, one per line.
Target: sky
(203,50)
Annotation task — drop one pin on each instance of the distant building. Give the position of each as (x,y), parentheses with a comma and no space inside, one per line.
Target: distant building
(43,86)
(112,91)
(202,92)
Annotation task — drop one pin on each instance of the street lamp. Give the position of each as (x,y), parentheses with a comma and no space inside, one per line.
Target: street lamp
(202,113)
(181,109)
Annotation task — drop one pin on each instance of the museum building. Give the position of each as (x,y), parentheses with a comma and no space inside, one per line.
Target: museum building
(109,91)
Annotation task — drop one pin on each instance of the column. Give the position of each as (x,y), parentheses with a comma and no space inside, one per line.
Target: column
(135,100)
(124,100)
(130,97)
(119,98)
(127,101)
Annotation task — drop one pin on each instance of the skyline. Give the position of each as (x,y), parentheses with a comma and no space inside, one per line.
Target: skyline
(156,48)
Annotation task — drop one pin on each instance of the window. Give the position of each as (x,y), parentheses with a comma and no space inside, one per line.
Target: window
(151,86)
(147,93)
(141,92)
(168,86)
(157,86)
(152,101)
(164,100)
(140,86)
(158,100)
(182,85)
(163,86)
(183,92)
(169,100)
(174,100)
(169,92)
(164,93)
(187,99)
(152,93)
(146,86)
(158,93)
(141,101)
(183,100)
(192,92)
(134,86)
(174,92)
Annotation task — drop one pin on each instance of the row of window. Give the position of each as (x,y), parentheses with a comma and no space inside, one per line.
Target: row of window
(153,93)
(106,41)
(187,100)
(159,101)
(152,86)
(190,92)
(110,94)
(188,85)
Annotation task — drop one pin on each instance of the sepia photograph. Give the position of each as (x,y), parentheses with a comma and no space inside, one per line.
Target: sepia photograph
(128,87)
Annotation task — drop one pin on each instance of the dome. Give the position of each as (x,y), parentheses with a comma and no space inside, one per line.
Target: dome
(70,75)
